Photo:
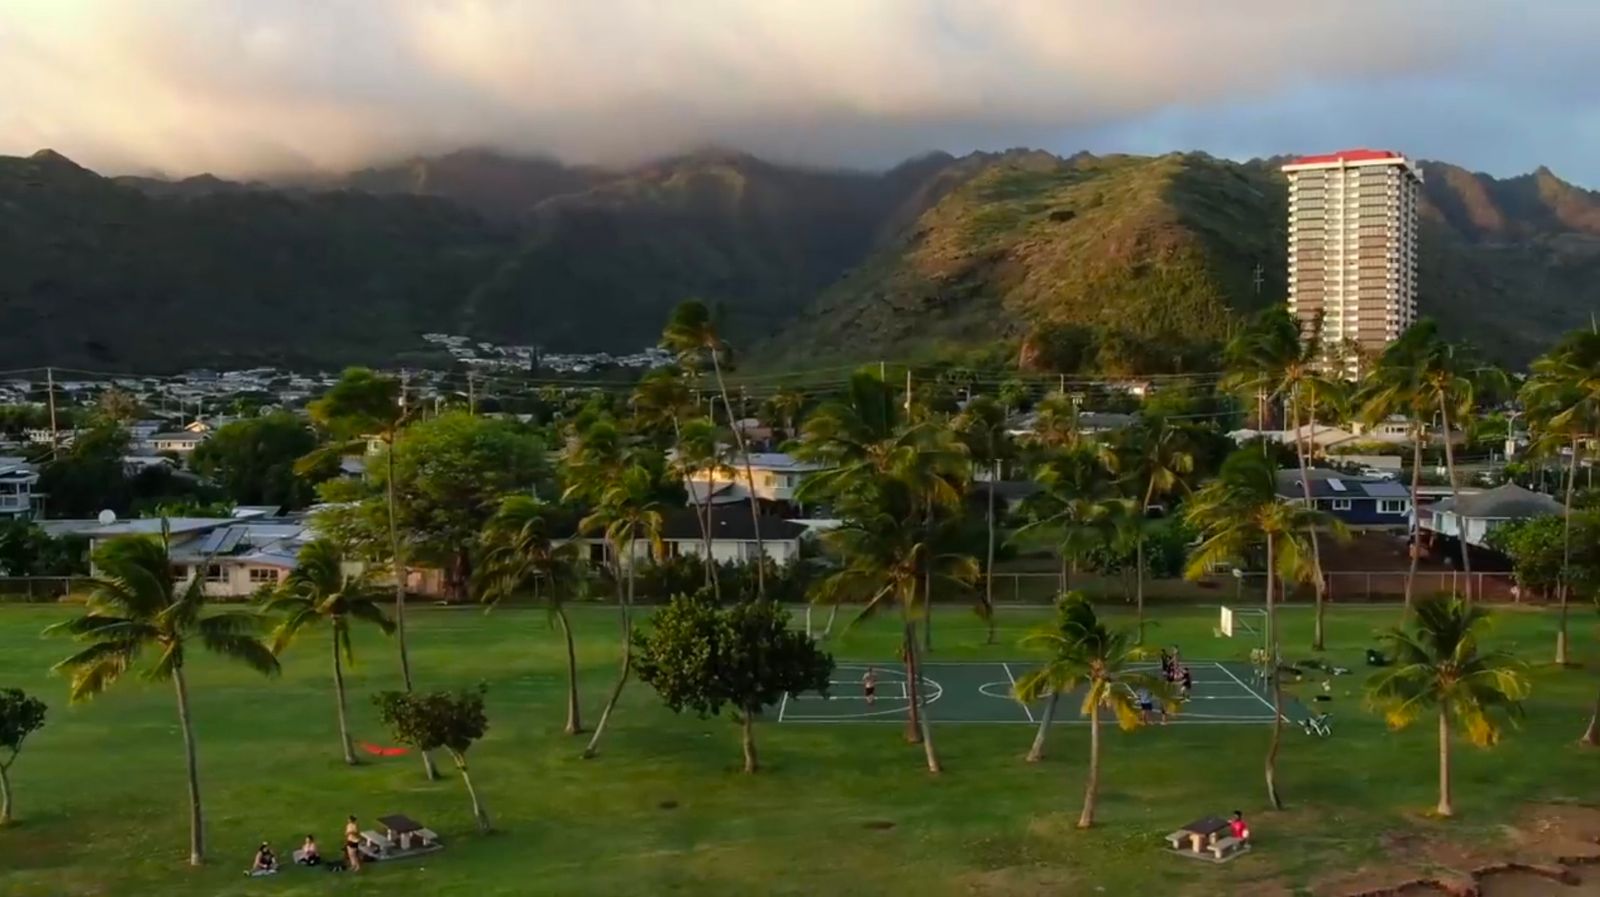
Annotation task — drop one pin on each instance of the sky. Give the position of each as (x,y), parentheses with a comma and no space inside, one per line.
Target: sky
(262,87)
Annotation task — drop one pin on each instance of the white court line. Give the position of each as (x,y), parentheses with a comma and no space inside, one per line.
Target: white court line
(1274,710)
(1007,668)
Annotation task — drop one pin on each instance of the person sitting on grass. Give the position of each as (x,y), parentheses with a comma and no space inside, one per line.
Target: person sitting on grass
(1238,829)
(309,855)
(264,863)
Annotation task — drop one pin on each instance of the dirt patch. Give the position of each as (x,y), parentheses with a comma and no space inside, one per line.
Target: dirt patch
(668,805)
(878,825)
(1559,833)
(1021,881)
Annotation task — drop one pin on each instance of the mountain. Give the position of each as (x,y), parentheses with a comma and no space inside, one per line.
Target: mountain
(1109,262)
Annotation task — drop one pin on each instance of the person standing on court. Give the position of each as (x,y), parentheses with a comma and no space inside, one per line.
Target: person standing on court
(869,686)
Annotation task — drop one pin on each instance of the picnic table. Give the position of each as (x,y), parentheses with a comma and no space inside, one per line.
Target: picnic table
(1201,833)
(406,832)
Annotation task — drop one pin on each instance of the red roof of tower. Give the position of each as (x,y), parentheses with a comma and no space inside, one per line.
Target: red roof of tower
(1349,155)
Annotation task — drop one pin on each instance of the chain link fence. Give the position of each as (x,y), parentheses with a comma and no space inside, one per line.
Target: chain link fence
(38,589)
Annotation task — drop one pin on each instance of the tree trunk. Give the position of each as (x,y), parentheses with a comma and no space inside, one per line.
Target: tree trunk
(914,714)
(920,702)
(593,746)
(1444,808)
(1316,551)
(927,600)
(197,842)
(1092,785)
(832,613)
(1455,496)
(5,793)
(1591,735)
(1036,752)
(1138,593)
(1276,741)
(574,724)
(398,559)
(339,698)
(988,567)
(748,732)
(480,815)
(1566,557)
(749,475)
(1416,516)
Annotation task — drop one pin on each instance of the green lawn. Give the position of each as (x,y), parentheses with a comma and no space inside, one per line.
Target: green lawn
(100,791)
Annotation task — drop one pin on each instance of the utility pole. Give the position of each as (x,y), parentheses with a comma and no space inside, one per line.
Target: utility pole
(50,387)
(1061,384)
(883,371)
(908,392)
(472,394)
(1256,277)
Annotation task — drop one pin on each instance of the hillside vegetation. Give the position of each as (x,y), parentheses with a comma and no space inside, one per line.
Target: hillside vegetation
(1115,262)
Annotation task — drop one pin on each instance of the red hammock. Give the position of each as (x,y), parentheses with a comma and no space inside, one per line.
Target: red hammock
(380,751)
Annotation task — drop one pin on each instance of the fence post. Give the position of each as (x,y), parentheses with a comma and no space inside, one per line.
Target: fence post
(1369,587)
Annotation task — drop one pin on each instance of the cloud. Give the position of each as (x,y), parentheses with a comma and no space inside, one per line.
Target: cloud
(256,86)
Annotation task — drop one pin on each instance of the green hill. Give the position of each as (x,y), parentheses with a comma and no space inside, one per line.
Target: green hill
(1114,262)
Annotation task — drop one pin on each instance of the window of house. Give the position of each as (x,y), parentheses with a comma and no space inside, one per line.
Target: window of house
(1341,504)
(214,573)
(263,575)
(1392,506)
(180,571)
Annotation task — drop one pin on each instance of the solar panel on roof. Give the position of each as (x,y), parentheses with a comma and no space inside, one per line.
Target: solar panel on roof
(208,545)
(1336,484)
(230,539)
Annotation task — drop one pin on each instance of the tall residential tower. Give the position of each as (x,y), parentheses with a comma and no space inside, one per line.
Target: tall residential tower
(1353,249)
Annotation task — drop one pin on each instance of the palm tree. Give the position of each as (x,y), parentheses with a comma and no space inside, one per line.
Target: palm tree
(1075,509)
(1438,666)
(786,405)
(700,452)
(890,557)
(134,607)
(628,510)
(1237,513)
(362,405)
(1084,653)
(983,424)
(1155,459)
(1270,359)
(1393,388)
(1055,423)
(318,592)
(1563,403)
(691,334)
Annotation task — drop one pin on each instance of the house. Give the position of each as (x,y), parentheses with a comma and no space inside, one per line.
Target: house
(733,538)
(777,478)
(1359,501)
(1473,517)
(18,500)
(180,442)
(234,556)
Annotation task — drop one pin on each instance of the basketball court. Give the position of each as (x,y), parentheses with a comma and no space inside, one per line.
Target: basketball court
(981,692)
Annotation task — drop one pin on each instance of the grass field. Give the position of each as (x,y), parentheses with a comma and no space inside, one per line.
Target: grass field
(664,810)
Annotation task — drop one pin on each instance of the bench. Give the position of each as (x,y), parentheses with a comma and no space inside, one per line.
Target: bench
(377,840)
(427,836)
(1225,846)
(1178,839)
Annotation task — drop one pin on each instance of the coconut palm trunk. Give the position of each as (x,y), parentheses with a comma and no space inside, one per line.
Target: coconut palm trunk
(574,723)
(1455,496)
(1091,785)
(747,727)
(339,696)
(833,613)
(909,648)
(749,476)
(593,746)
(197,841)
(1591,735)
(399,561)
(1316,552)
(1444,808)
(480,814)
(1566,557)
(5,794)
(1277,691)
(988,566)
(1416,516)
(1036,752)
(920,702)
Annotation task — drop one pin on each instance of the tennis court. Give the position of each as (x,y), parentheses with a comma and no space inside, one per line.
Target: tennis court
(981,692)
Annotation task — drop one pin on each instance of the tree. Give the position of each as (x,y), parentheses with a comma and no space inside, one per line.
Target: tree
(90,476)
(362,405)
(983,425)
(700,657)
(319,593)
(1393,388)
(20,716)
(136,607)
(520,554)
(1075,510)
(256,461)
(1438,666)
(1082,652)
(27,550)
(628,510)
(1270,359)
(1563,403)
(440,720)
(1237,513)
(700,452)
(691,334)
(1154,460)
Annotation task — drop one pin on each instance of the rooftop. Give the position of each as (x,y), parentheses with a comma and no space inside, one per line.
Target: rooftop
(1345,156)
(1508,502)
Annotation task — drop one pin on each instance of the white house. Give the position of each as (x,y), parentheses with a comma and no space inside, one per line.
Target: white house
(1472,517)
(235,556)
(180,442)
(777,478)
(18,500)
(732,537)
